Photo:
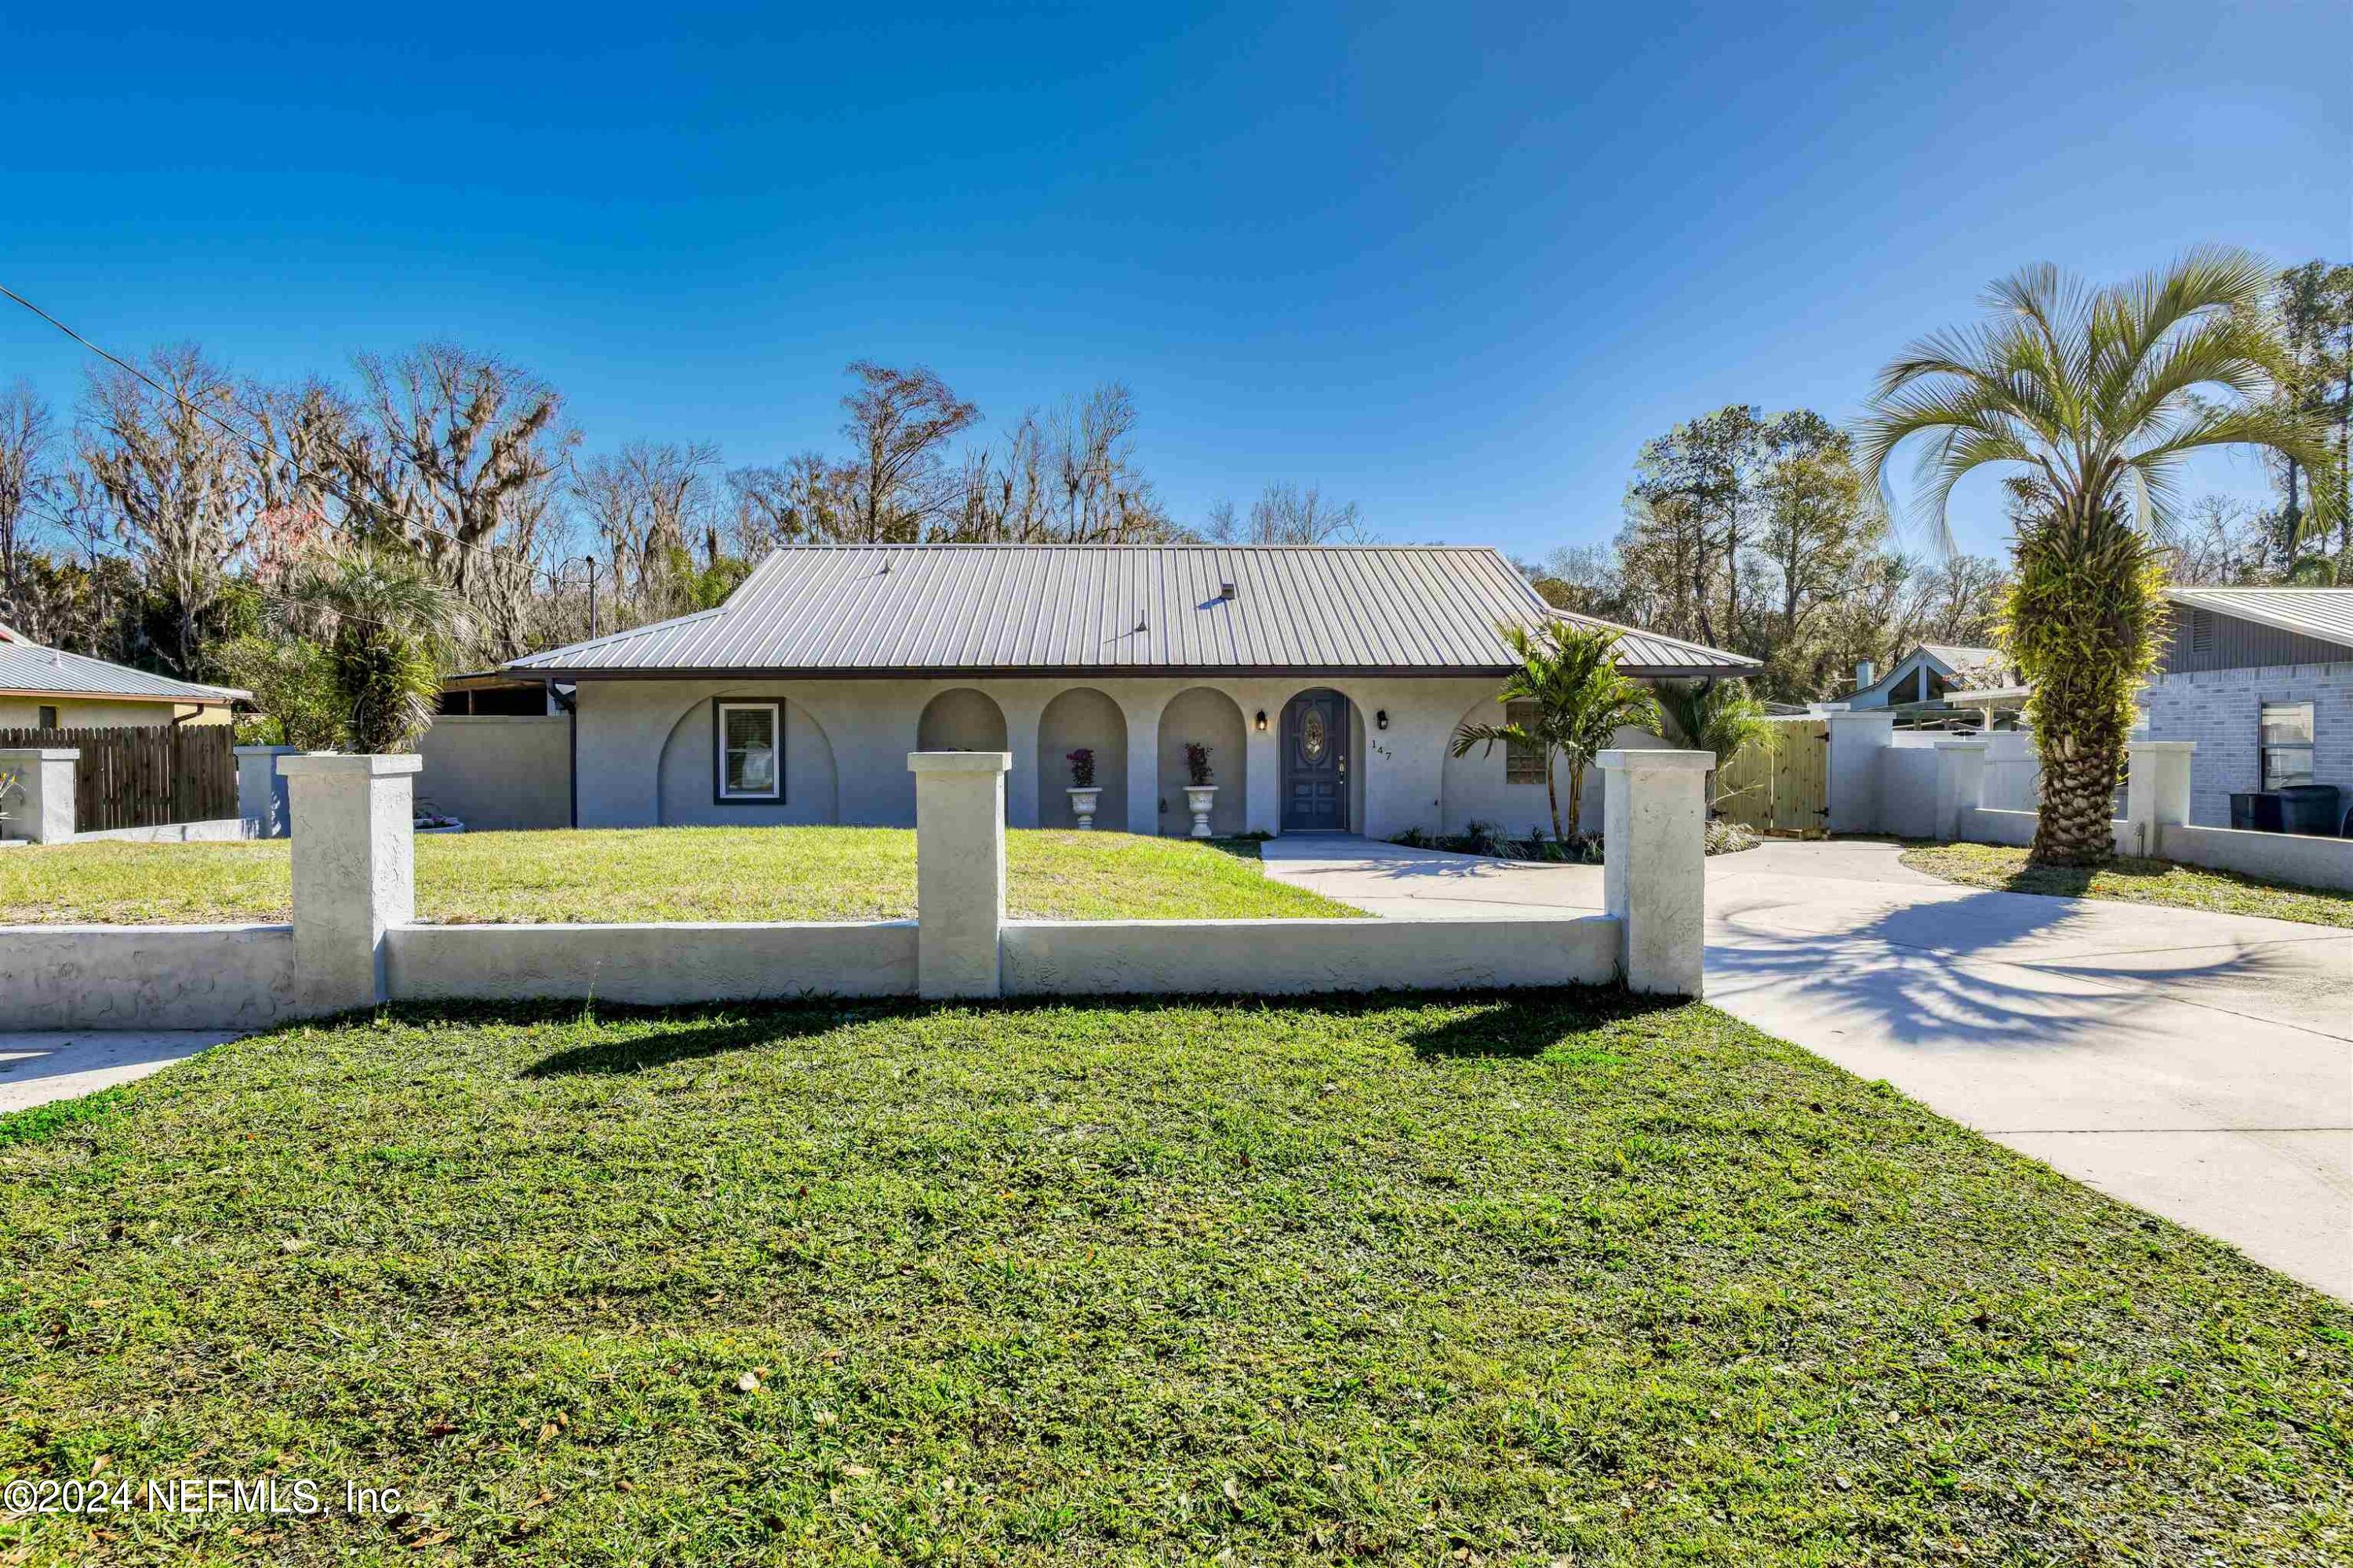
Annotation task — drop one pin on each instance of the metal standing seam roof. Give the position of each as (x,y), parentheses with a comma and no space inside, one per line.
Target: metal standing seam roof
(2325,613)
(26,667)
(872,610)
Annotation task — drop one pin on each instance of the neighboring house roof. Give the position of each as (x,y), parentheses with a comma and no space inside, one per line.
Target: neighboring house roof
(27,668)
(1962,669)
(2325,613)
(867,609)
(9,633)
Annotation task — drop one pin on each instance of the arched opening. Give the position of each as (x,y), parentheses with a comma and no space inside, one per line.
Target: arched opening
(1320,739)
(1209,718)
(961,720)
(686,770)
(1083,716)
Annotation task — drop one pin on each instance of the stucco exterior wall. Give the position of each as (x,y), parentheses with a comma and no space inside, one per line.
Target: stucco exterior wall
(646,759)
(495,774)
(2221,711)
(1288,958)
(145,977)
(84,713)
(652,965)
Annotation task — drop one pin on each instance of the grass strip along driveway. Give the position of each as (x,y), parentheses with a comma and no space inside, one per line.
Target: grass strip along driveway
(659,874)
(2134,881)
(1496,1279)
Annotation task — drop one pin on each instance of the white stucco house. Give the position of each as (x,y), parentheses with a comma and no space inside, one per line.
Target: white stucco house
(1327,684)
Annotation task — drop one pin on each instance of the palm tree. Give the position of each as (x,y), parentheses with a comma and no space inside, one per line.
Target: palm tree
(2092,399)
(1717,716)
(1571,675)
(385,616)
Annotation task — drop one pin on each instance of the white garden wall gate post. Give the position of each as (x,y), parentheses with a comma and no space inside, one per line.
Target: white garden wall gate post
(1654,865)
(2157,793)
(959,870)
(355,872)
(44,811)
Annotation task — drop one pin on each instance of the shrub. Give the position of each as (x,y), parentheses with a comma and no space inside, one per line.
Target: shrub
(1197,764)
(1082,767)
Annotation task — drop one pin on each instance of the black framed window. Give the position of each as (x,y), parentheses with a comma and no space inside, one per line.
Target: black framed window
(2286,744)
(749,742)
(48,717)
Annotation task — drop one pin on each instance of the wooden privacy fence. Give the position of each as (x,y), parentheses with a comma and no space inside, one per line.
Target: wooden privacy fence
(147,777)
(1781,785)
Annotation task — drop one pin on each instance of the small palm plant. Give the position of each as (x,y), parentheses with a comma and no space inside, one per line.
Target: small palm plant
(1715,716)
(385,616)
(2092,399)
(1570,673)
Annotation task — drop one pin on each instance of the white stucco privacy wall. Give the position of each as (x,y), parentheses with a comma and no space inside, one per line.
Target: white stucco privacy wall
(498,772)
(652,965)
(145,977)
(1291,958)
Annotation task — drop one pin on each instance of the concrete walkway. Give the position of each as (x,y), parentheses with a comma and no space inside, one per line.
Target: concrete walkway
(35,1068)
(2198,1066)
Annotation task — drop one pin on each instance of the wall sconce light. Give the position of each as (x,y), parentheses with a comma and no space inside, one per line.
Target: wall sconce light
(1262,721)
(1380,718)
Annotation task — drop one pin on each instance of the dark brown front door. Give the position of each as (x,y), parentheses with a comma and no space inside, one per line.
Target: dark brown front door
(1315,764)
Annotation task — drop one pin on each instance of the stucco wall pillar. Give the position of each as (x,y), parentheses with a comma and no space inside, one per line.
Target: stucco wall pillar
(1960,784)
(261,791)
(1263,754)
(959,870)
(43,808)
(1654,865)
(1858,740)
(2156,791)
(355,872)
(1143,764)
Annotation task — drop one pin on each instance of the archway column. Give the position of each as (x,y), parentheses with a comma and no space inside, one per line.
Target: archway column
(1143,763)
(1022,713)
(1262,810)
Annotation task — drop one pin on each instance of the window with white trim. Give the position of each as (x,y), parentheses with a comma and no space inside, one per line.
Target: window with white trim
(2286,744)
(1521,764)
(750,738)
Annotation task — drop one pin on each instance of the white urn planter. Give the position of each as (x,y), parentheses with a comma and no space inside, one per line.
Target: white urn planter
(1082,805)
(1198,800)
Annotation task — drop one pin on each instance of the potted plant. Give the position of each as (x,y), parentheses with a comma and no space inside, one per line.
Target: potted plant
(1200,795)
(1084,791)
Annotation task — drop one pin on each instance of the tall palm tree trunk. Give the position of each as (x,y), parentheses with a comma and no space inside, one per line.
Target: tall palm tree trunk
(2082,620)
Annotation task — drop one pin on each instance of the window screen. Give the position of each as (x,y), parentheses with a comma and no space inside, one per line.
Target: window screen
(48,718)
(1521,764)
(750,751)
(2288,744)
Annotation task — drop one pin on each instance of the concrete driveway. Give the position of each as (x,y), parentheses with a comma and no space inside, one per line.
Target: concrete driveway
(39,1066)
(2198,1066)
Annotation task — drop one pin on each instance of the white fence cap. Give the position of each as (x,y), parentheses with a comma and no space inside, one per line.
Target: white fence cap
(371,765)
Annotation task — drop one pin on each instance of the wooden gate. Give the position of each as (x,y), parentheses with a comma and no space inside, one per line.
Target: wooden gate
(146,777)
(1781,784)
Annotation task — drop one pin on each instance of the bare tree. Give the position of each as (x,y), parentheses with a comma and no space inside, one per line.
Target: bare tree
(1286,514)
(162,450)
(26,480)
(805,500)
(899,422)
(449,449)
(650,504)
(300,434)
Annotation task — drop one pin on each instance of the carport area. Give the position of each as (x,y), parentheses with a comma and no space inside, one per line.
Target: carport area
(2198,1066)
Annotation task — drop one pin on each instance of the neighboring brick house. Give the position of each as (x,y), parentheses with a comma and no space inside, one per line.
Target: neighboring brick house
(2261,679)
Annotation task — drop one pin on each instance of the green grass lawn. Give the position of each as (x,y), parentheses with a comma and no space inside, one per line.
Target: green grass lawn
(1501,1281)
(2134,881)
(660,874)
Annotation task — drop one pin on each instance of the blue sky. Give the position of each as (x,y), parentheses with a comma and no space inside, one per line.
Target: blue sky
(1452,262)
